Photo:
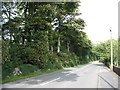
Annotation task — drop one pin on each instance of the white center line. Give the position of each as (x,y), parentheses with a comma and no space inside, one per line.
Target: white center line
(62,76)
(44,83)
(50,81)
(67,74)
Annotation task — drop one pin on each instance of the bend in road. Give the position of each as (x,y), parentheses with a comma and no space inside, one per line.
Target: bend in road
(92,75)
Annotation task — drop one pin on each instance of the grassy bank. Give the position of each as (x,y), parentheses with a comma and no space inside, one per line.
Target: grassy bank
(53,62)
(11,79)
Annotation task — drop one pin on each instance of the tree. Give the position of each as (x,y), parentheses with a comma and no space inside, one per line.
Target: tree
(47,35)
(102,51)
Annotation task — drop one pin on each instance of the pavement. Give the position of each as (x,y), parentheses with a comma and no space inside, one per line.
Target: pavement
(92,75)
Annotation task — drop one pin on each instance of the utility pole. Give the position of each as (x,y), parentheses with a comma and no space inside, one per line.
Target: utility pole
(111,50)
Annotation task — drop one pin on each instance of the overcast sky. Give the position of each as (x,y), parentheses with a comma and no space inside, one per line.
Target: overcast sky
(99,16)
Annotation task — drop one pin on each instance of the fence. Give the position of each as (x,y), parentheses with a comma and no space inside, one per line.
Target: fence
(116,70)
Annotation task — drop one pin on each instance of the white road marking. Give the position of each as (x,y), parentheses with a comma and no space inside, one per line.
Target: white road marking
(49,81)
(78,69)
(55,79)
(67,74)
(62,76)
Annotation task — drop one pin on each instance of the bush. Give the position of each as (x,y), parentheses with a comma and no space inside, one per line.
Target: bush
(68,59)
(5,51)
(9,67)
(27,68)
(60,60)
(53,61)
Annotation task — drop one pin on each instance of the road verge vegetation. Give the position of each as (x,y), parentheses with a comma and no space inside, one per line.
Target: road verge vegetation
(28,73)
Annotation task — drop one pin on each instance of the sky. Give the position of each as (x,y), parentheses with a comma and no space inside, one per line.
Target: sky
(99,16)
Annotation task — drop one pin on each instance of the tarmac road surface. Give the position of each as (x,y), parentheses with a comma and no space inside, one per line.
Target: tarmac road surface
(92,75)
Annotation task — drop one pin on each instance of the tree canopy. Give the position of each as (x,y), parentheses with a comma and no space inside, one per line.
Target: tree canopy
(103,52)
(42,34)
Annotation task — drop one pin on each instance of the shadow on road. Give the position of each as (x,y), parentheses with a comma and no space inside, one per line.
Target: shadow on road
(99,64)
(48,77)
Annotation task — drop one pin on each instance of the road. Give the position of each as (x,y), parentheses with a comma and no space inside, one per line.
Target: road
(92,75)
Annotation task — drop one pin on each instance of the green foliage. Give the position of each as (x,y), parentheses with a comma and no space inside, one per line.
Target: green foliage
(27,68)
(103,52)
(7,69)
(5,51)
(118,52)
(68,59)
(33,33)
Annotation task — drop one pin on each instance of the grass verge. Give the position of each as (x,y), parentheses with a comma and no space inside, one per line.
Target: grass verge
(11,79)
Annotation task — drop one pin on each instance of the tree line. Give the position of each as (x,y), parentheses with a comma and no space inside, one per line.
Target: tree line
(43,35)
(103,52)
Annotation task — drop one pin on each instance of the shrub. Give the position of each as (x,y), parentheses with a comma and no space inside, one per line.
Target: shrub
(27,68)
(9,67)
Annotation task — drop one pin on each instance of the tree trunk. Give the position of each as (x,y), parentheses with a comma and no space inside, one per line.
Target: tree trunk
(52,49)
(47,42)
(58,50)
(23,40)
(68,48)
